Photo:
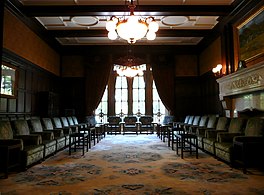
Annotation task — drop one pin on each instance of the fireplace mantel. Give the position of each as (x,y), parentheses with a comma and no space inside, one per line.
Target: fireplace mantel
(247,80)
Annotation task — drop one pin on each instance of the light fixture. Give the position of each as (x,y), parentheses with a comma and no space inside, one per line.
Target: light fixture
(129,65)
(132,28)
(218,70)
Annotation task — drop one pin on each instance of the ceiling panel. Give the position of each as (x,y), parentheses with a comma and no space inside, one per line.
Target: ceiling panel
(82,22)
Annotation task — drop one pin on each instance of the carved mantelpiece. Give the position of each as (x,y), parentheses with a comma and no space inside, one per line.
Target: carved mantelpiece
(242,90)
(247,80)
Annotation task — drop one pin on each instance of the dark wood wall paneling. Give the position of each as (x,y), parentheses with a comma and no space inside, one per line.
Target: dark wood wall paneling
(73,96)
(31,81)
(187,96)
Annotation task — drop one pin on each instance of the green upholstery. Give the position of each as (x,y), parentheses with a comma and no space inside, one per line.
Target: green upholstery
(66,125)
(195,122)
(33,151)
(224,144)
(145,124)
(211,134)
(61,139)
(200,131)
(113,125)
(81,125)
(249,147)
(50,145)
(71,123)
(202,123)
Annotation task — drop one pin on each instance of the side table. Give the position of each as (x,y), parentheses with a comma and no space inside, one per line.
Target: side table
(10,157)
(78,141)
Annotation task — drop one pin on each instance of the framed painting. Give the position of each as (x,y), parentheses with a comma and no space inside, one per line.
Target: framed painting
(250,36)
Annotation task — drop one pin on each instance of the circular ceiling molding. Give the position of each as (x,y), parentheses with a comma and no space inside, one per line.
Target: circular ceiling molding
(85,20)
(174,20)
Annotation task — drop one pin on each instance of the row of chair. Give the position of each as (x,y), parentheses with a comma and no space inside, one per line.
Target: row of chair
(229,139)
(38,138)
(130,124)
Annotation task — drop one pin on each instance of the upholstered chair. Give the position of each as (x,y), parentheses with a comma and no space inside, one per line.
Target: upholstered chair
(211,134)
(202,123)
(248,148)
(61,139)
(130,125)
(66,125)
(200,131)
(195,123)
(76,122)
(33,151)
(77,127)
(50,145)
(177,124)
(146,125)
(113,125)
(224,143)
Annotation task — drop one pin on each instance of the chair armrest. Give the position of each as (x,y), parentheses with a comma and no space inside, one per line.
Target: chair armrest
(8,142)
(249,139)
(201,131)
(213,133)
(46,135)
(226,137)
(30,139)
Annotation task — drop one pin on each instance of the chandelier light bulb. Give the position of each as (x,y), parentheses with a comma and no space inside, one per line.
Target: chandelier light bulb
(132,28)
(153,26)
(110,25)
(151,36)
(112,35)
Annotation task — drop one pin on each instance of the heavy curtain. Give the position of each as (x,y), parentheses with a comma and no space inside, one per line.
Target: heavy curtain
(97,74)
(163,75)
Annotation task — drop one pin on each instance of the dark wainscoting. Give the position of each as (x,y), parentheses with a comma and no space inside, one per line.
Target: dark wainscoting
(31,80)
(197,96)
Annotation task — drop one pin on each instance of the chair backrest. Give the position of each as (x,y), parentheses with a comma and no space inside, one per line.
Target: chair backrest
(255,127)
(237,125)
(186,119)
(70,121)
(74,118)
(190,121)
(222,123)
(35,125)
(64,122)
(212,120)
(196,120)
(91,120)
(168,120)
(21,127)
(145,120)
(57,122)
(114,119)
(130,120)
(203,121)
(6,130)
(47,123)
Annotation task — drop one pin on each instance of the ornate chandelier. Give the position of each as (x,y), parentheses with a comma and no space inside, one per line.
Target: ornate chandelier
(129,66)
(132,28)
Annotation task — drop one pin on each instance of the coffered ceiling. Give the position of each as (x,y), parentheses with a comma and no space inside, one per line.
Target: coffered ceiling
(82,22)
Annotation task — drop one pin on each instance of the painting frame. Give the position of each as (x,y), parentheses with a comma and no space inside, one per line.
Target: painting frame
(248,35)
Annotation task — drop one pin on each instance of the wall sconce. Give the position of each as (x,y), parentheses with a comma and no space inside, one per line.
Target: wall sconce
(218,71)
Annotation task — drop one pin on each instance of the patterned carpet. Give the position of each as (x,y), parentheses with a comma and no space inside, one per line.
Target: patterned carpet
(131,165)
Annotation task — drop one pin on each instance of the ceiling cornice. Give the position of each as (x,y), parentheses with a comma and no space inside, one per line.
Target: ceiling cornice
(108,10)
